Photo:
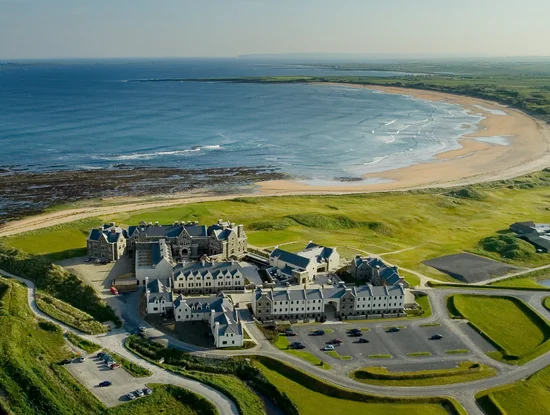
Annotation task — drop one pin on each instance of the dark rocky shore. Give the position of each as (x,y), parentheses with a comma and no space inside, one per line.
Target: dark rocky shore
(26,193)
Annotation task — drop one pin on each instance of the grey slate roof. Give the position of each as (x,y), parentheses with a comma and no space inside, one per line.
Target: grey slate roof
(289,257)
(538,241)
(228,322)
(215,268)
(168,231)
(159,290)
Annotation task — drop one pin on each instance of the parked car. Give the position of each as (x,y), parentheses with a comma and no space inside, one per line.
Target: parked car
(131,396)
(393,329)
(147,391)
(142,329)
(88,259)
(354,331)
(363,340)
(105,383)
(297,345)
(328,347)
(81,359)
(139,392)
(66,361)
(318,333)
(290,333)
(335,341)
(101,355)
(436,337)
(355,334)
(114,366)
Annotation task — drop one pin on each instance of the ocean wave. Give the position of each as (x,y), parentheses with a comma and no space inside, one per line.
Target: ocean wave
(156,154)
(376,160)
(390,123)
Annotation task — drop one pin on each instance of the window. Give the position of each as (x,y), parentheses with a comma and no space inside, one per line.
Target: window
(224,342)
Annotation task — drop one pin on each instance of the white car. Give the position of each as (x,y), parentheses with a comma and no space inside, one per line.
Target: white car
(131,396)
(139,393)
(328,347)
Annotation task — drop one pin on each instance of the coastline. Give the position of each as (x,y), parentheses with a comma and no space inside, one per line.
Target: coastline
(528,150)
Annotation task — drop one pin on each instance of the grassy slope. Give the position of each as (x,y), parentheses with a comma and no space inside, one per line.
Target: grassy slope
(87,346)
(516,328)
(430,221)
(33,383)
(524,397)
(310,402)
(68,314)
(465,372)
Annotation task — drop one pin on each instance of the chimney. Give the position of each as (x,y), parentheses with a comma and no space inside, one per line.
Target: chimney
(232,225)
(240,231)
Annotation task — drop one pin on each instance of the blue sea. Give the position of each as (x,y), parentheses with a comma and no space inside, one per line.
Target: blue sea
(89,115)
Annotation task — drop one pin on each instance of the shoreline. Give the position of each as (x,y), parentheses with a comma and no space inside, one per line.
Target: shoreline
(528,150)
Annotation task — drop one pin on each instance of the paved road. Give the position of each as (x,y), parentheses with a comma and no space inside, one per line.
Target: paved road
(464,393)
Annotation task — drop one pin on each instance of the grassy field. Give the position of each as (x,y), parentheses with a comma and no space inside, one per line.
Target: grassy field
(435,222)
(32,381)
(546,303)
(68,314)
(530,280)
(87,346)
(524,397)
(464,372)
(313,397)
(514,328)
(57,242)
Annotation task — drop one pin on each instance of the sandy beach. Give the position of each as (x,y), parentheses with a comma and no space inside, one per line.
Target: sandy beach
(528,150)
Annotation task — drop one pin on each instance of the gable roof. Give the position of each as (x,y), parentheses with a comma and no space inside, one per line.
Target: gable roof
(290,258)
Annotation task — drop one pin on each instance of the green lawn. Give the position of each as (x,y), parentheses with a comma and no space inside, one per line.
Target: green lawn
(283,344)
(530,280)
(435,222)
(464,372)
(57,242)
(510,324)
(336,355)
(310,400)
(524,397)
(546,303)
(33,382)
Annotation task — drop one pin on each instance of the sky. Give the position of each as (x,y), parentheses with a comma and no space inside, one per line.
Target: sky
(225,28)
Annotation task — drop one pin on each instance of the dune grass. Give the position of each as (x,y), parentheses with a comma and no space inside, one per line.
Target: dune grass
(87,346)
(463,372)
(33,382)
(312,396)
(528,396)
(517,331)
(433,221)
(68,314)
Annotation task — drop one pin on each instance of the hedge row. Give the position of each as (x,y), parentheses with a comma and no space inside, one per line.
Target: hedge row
(325,388)
(370,373)
(193,367)
(487,287)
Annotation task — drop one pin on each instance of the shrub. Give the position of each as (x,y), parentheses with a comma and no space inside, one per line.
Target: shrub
(467,192)
(507,246)
(270,225)
(48,326)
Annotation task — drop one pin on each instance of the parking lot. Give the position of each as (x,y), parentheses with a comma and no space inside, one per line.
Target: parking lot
(94,371)
(411,339)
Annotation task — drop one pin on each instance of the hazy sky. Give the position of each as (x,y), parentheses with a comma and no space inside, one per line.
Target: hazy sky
(151,28)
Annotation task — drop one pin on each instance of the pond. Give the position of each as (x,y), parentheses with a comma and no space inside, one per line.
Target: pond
(546,282)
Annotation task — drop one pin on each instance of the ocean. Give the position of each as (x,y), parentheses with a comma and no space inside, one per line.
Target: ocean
(90,115)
